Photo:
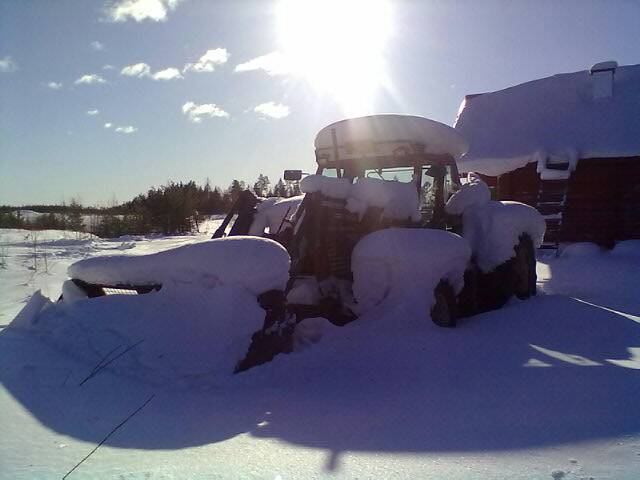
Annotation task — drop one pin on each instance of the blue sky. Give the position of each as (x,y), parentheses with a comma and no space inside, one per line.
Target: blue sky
(221,116)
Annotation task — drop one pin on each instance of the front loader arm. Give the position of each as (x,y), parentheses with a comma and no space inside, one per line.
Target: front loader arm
(245,207)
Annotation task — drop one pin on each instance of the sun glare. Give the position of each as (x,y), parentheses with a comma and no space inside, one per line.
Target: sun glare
(338,46)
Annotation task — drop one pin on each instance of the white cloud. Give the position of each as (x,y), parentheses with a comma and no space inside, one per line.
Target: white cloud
(274,63)
(273,110)
(97,46)
(141,70)
(127,129)
(209,61)
(89,79)
(7,65)
(140,10)
(108,125)
(167,74)
(93,112)
(54,85)
(137,70)
(196,112)
(107,67)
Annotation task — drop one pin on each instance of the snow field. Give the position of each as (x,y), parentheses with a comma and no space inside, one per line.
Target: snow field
(542,387)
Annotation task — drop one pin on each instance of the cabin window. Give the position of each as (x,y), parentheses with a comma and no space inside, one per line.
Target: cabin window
(333,172)
(398,174)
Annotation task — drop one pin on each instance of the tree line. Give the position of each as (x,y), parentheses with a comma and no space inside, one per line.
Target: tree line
(177,207)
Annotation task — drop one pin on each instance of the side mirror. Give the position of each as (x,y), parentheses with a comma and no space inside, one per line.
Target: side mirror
(293,175)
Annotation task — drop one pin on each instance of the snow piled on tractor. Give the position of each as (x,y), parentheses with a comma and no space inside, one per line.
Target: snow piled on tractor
(493,228)
(406,264)
(387,135)
(256,264)
(199,325)
(398,200)
(193,331)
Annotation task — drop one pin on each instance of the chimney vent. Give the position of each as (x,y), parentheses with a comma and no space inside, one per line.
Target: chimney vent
(602,79)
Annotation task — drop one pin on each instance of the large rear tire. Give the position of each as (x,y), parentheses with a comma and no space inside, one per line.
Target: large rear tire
(524,269)
(444,312)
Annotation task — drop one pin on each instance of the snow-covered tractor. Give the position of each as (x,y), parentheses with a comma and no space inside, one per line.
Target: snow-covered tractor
(384,219)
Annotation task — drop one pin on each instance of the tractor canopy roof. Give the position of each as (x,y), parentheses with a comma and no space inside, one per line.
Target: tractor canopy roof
(388,139)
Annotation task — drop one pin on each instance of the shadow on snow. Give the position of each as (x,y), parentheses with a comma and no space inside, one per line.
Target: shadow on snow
(465,389)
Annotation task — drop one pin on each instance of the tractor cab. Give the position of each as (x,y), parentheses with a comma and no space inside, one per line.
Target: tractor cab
(395,148)
(373,173)
(435,179)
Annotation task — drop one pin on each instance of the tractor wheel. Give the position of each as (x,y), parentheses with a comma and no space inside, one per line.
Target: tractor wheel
(524,269)
(444,312)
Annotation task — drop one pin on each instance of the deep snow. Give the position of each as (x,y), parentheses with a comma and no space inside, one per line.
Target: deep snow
(545,388)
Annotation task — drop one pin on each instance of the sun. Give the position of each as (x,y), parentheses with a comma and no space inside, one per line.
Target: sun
(337,46)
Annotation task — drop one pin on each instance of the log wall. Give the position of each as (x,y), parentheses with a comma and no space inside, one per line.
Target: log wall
(603,198)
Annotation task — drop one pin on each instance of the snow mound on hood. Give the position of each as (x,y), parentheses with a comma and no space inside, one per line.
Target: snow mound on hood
(338,188)
(257,264)
(398,200)
(396,264)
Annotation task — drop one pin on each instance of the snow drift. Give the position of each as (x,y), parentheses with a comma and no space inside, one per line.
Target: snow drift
(195,329)
(182,336)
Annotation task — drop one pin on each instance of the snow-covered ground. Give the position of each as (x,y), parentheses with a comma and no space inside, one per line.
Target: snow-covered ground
(545,388)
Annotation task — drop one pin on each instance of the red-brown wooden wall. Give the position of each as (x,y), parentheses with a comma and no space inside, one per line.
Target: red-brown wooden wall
(603,198)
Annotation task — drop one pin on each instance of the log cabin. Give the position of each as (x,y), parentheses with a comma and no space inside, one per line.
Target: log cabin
(568,145)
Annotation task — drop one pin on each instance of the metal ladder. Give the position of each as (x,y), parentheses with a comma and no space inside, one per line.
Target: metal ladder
(551,203)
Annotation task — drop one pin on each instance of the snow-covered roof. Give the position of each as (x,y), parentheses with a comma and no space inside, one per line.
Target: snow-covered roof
(579,114)
(387,135)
